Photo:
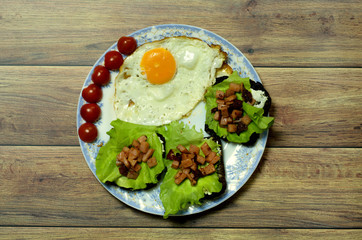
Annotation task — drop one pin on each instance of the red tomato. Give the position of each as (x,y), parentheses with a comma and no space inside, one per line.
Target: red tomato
(126,45)
(92,93)
(101,75)
(88,132)
(90,112)
(113,60)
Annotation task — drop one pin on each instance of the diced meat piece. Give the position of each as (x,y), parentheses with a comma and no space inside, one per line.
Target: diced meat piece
(224,111)
(235,87)
(223,121)
(209,169)
(180,178)
(246,120)
(148,154)
(200,159)
(132,174)
(230,103)
(194,166)
(178,174)
(121,156)
(123,170)
(247,95)
(194,149)
(215,160)
(232,128)
(230,98)
(237,104)
(191,178)
(182,149)
(229,120)
(241,128)
(125,150)
(219,94)
(190,175)
(151,162)
(133,162)
(205,148)
(220,102)
(186,163)
(229,92)
(144,146)
(186,171)
(175,164)
(137,167)
(140,156)
(210,156)
(141,139)
(187,156)
(236,114)
(119,163)
(135,144)
(221,106)
(126,163)
(217,116)
(133,153)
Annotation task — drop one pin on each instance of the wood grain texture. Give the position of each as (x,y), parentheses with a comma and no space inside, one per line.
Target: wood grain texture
(181,233)
(291,188)
(312,106)
(269,33)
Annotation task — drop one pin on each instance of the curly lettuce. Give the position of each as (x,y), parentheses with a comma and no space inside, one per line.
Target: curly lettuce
(122,134)
(259,122)
(178,197)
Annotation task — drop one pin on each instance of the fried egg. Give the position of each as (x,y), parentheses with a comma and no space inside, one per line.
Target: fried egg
(163,81)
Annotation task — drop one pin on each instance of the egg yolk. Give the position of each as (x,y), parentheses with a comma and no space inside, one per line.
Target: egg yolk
(159,65)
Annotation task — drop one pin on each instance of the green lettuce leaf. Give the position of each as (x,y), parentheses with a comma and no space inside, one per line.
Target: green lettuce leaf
(259,122)
(122,134)
(177,197)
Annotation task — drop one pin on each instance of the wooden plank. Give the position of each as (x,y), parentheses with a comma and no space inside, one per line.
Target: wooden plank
(312,106)
(269,33)
(170,233)
(291,188)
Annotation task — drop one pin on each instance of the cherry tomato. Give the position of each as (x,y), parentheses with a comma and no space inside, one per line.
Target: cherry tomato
(126,45)
(88,132)
(113,60)
(90,112)
(92,93)
(101,75)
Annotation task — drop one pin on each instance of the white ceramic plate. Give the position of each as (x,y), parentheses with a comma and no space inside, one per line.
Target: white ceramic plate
(240,161)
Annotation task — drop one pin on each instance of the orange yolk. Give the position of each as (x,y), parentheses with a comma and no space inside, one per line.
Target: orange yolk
(159,65)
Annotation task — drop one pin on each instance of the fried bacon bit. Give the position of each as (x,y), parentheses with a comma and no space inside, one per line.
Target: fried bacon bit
(191,164)
(229,110)
(129,159)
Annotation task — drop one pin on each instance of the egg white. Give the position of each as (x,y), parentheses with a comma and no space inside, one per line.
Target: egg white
(138,101)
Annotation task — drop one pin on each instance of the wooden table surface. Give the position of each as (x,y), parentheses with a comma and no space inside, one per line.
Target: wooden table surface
(307,53)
